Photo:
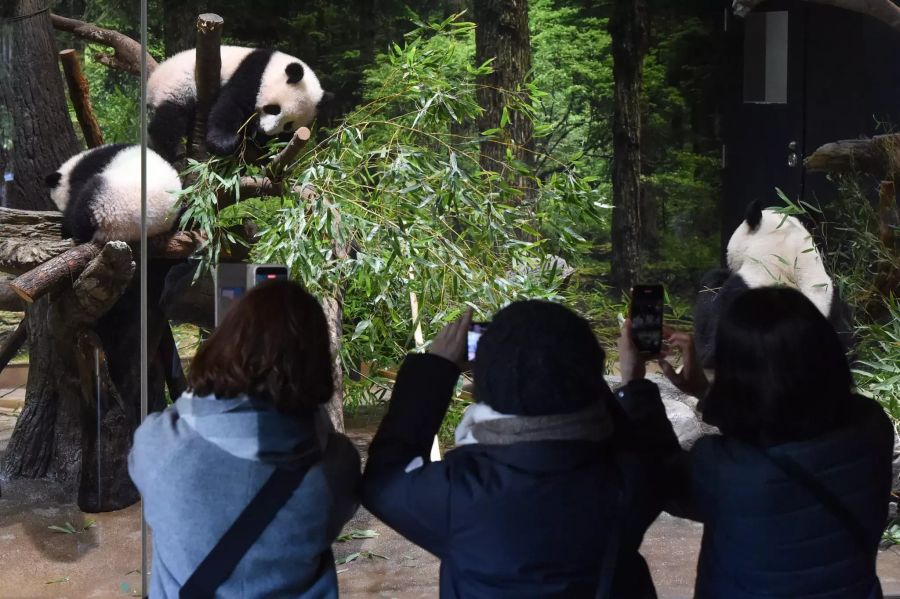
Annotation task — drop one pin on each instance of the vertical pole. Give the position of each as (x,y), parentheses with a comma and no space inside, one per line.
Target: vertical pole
(99,424)
(143,272)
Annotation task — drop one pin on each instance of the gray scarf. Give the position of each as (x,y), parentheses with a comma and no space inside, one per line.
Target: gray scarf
(482,424)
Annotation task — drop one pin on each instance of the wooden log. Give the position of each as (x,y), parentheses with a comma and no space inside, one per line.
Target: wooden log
(80,94)
(283,159)
(10,347)
(207,77)
(103,281)
(127,52)
(63,268)
(29,238)
(882,10)
(878,156)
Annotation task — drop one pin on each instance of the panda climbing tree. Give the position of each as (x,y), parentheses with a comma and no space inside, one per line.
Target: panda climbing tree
(75,272)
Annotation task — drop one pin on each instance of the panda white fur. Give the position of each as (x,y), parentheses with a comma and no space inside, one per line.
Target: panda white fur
(767,249)
(99,193)
(280,88)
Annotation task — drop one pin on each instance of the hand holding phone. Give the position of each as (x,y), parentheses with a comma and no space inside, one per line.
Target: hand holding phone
(647,302)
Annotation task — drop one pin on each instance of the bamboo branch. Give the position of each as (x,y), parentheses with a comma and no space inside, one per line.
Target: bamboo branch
(13,343)
(207,78)
(127,52)
(80,94)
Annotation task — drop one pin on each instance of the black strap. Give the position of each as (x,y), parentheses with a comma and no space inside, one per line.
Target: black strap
(829,501)
(221,561)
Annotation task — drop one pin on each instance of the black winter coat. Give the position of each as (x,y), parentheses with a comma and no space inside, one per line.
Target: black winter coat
(765,535)
(529,519)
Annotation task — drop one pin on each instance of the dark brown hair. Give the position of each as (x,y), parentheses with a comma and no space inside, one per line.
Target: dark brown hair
(781,374)
(272,345)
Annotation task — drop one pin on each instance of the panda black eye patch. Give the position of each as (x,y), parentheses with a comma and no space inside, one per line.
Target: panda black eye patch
(272,109)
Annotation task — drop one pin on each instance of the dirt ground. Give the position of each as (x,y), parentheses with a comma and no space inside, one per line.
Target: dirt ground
(104,560)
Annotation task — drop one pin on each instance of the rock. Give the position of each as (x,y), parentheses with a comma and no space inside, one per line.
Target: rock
(681,410)
(684,421)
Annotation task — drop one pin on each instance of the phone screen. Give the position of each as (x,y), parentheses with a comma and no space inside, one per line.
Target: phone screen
(271,273)
(475,331)
(647,317)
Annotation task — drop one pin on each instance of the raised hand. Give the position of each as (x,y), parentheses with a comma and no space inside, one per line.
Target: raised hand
(691,380)
(631,364)
(450,343)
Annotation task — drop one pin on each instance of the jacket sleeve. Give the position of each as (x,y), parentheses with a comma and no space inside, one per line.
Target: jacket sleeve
(341,462)
(400,486)
(648,427)
(653,439)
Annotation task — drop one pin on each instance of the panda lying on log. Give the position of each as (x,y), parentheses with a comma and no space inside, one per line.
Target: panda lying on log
(99,193)
(281,89)
(767,249)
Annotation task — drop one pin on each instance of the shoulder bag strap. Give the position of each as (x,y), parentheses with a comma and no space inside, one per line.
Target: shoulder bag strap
(221,561)
(831,503)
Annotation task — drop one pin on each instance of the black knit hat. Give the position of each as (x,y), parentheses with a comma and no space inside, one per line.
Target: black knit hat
(538,358)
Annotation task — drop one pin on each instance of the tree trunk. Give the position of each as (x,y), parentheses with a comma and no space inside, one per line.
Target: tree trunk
(649,225)
(628,30)
(82,402)
(34,106)
(502,34)
(179,25)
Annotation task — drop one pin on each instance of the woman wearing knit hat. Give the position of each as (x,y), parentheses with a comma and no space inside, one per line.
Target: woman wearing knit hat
(549,491)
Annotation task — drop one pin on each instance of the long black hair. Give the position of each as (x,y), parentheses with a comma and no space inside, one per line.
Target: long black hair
(781,374)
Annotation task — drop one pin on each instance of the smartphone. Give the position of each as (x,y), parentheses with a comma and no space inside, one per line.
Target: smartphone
(647,318)
(475,331)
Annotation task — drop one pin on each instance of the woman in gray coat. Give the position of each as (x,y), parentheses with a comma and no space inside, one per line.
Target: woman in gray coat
(245,484)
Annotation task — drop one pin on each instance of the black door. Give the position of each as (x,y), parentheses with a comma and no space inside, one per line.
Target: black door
(764,108)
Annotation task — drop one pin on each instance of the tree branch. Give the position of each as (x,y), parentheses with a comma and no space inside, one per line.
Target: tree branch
(49,275)
(80,94)
(283,159)
(127,55)
(207,78)
(882,10)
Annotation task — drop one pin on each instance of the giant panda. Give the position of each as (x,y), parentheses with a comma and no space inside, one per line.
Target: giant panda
(99,193)
(766,249)
(281,89)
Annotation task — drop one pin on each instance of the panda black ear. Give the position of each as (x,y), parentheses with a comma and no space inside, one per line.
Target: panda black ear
(754,215)
(294,72)
(52,180)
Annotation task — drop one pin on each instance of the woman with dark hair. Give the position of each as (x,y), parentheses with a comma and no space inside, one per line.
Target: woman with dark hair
(544,495)
(794,493)
(244,482)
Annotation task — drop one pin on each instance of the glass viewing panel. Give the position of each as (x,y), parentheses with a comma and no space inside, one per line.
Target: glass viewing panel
(70,517)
